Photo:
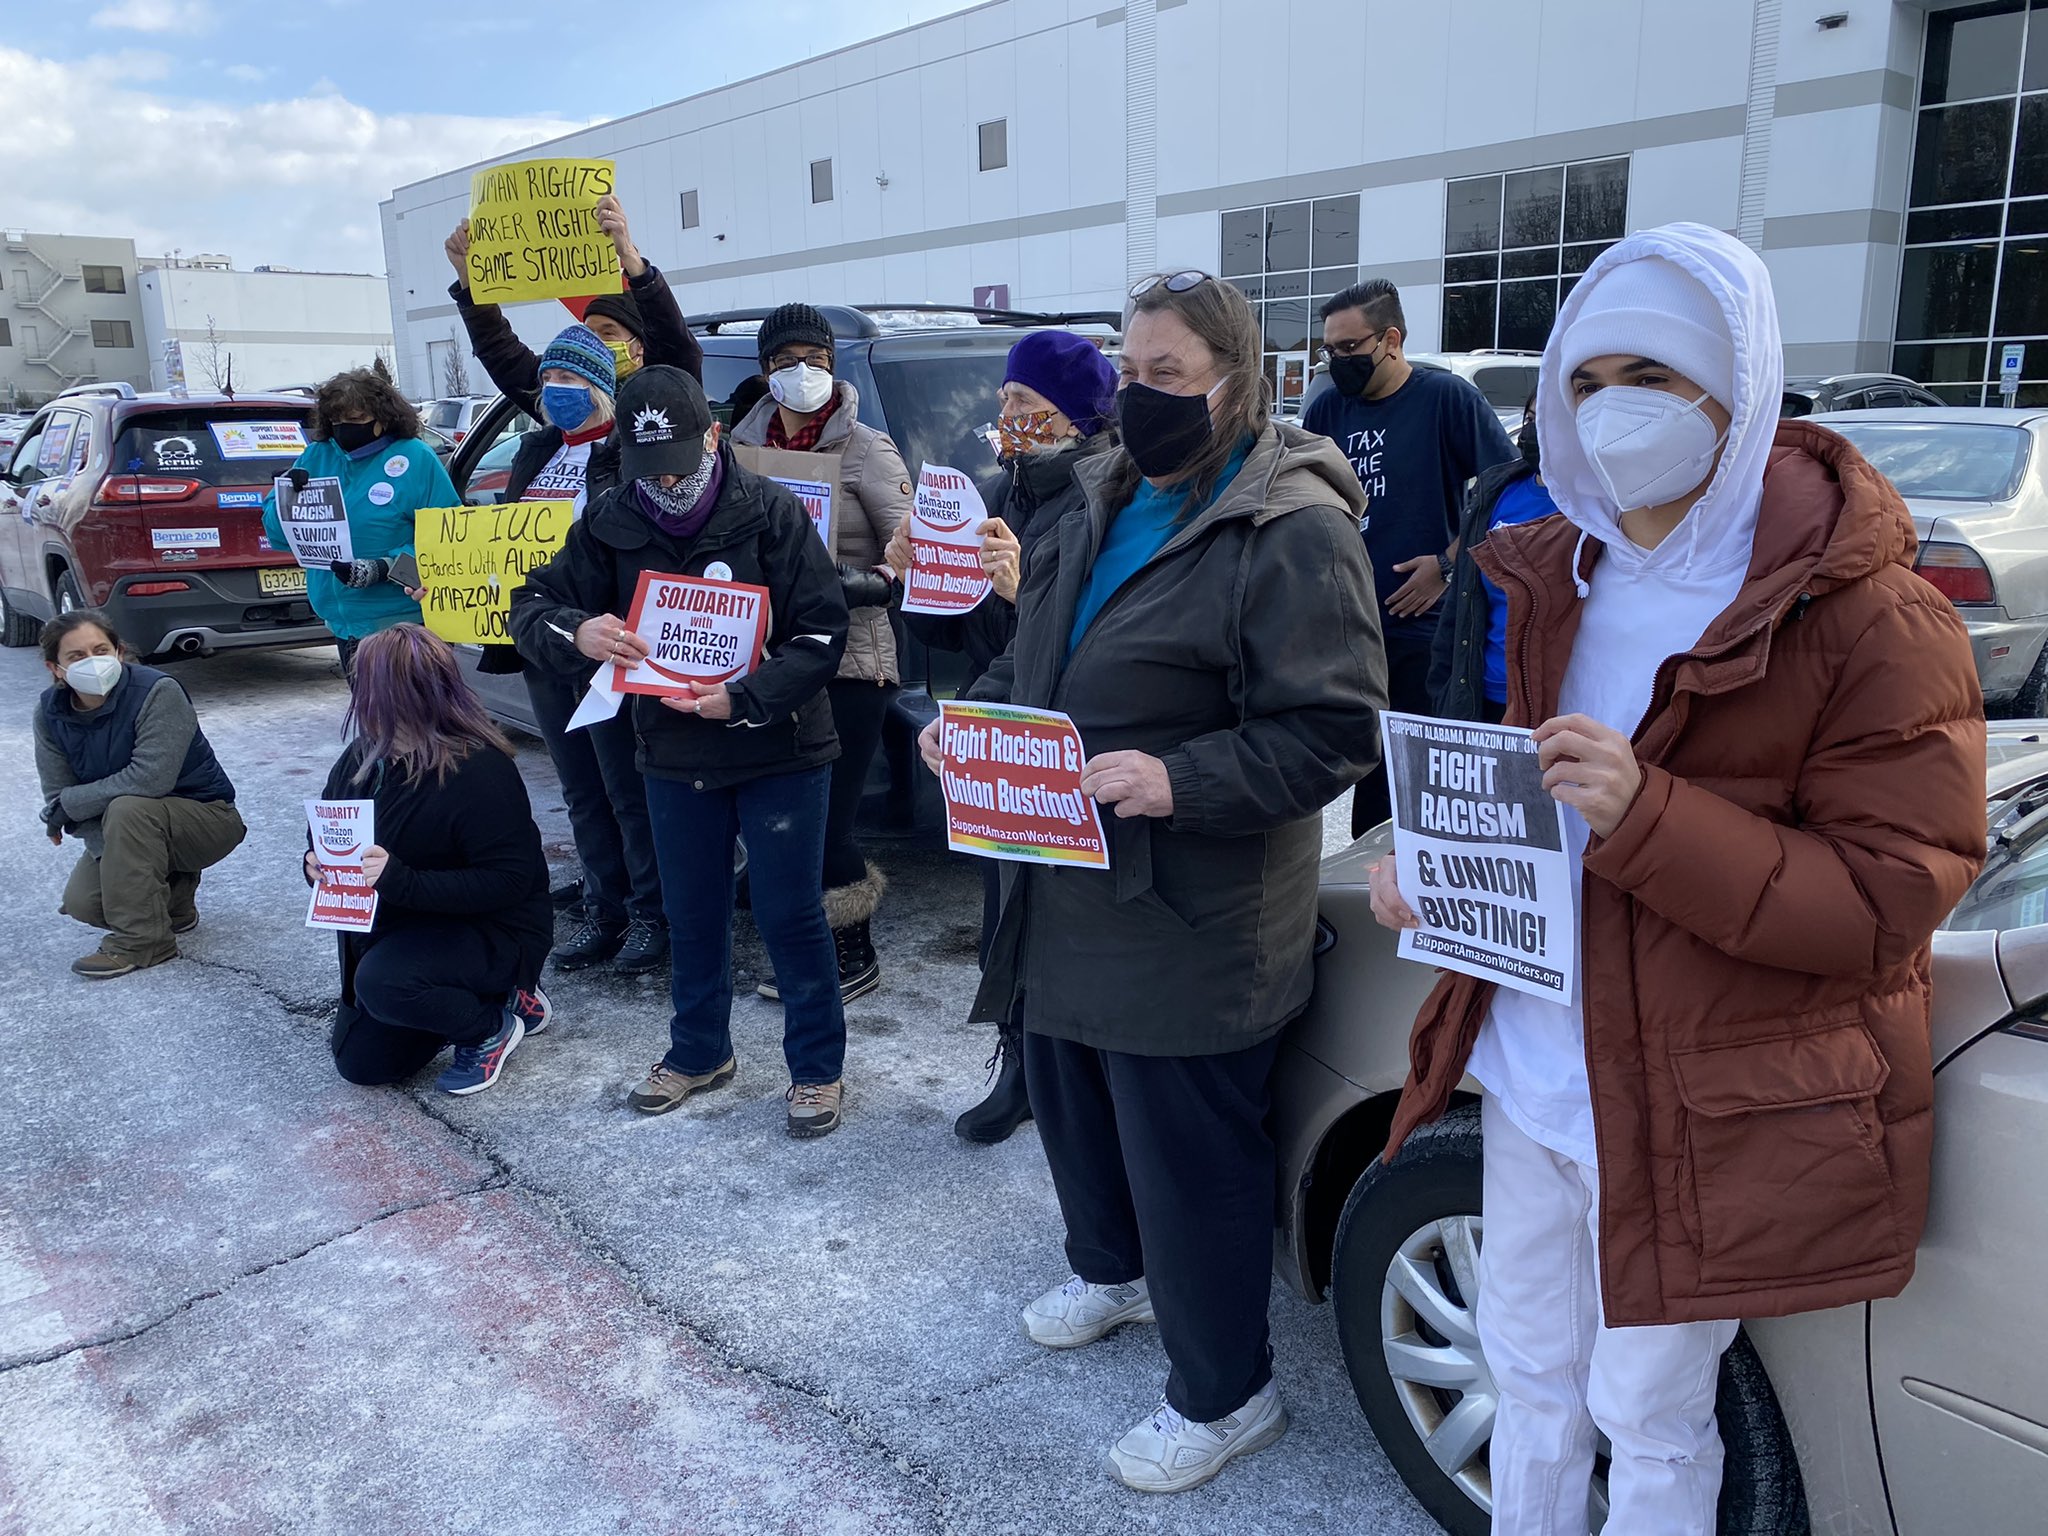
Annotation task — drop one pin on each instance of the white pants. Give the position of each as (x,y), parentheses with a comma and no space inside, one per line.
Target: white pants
(1561,1371)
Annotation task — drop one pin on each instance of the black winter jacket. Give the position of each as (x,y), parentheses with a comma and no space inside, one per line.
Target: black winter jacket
(1039,490)
(1457,652)
(1246,656)
(782,720)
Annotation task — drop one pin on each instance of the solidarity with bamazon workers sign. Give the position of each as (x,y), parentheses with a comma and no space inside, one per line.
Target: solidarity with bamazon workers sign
(697,631)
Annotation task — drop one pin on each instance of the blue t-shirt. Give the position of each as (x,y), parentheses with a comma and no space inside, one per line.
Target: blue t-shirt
(1135,535)
(1413,453)
(1522,502)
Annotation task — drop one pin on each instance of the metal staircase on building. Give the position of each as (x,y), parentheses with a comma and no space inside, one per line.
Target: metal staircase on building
(39,303)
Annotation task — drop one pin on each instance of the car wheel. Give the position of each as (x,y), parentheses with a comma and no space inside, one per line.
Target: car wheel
(1404,1277)
(2032,698)
(16,628)
(69,598)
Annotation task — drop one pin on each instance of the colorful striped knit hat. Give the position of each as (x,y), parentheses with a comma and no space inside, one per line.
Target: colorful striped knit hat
(579,350)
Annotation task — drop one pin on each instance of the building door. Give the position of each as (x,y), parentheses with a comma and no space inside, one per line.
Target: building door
(440,363)
(31,345)
(1290,378)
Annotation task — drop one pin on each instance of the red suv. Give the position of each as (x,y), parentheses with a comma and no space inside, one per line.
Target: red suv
(151,507)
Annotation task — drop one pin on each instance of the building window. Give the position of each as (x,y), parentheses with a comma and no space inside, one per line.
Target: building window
(6,334)
(995,144)
(1515,244)
(690,208)
(104,280)
(1974,275)
(112,333)
(1287,258)
(821,181)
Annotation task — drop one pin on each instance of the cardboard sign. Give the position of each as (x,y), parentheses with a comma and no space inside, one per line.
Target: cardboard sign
(1480,851)
(533,232)
(258,439)
(472,559)
(343,830)
(813,478)
(945,573)
(697,631)
(315,522)
(1012,782)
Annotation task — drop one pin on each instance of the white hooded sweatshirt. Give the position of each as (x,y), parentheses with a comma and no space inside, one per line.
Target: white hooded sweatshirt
(1642,606)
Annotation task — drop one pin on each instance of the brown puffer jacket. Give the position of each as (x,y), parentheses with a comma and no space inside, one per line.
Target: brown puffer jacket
(1755,933)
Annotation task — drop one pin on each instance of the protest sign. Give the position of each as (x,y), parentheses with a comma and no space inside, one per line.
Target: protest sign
(258,439)
(533,232)
(1012,782)
(811,477)
(472,559)
(945,573)
(315,521)
(1479,848)
(343,831)
(697,631)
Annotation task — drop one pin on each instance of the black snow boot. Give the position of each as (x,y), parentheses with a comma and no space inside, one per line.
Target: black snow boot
(849,912)
(1008,1104)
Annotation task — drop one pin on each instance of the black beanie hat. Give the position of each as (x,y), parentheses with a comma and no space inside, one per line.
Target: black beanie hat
(622,307)
(794,323)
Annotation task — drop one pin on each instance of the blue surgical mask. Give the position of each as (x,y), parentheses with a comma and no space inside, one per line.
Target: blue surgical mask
(568,406)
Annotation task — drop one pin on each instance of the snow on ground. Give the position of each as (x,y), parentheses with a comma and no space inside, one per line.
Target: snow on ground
(240,1295)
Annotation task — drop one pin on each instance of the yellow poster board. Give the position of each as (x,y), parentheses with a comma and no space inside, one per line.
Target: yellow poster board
(533,232)
(472,559)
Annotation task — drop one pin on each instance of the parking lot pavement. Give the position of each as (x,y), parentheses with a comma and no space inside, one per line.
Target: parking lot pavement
(238,1294)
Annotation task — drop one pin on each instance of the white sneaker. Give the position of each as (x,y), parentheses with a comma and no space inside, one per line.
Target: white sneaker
(1169,1454)
(1079,1313)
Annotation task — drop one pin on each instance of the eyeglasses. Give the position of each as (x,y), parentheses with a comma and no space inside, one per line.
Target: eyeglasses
(1338,349)
(1178,282)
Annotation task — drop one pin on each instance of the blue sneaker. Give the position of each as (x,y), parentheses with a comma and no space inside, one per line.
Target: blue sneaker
(533,1008)
(476,1067)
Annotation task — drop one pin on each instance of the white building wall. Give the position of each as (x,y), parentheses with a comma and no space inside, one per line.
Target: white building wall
(279,328)
(1258,101)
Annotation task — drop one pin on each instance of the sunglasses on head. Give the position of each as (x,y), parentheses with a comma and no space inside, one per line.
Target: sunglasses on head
(1178,282)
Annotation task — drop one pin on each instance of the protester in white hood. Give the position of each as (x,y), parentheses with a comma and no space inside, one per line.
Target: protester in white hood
(1730,790)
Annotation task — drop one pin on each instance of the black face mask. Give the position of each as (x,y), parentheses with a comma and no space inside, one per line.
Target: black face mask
(1161,431)
(1526,440)
(350,435)
(1353,375)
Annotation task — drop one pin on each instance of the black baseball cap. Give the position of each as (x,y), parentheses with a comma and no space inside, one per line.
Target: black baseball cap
(663,417)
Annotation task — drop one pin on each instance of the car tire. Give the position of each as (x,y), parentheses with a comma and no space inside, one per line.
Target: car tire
(2032,699)
(1434,1185)
(65,590)
(16,628)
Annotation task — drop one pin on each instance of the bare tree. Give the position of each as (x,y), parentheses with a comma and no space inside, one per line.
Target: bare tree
(216,362)
(455,366)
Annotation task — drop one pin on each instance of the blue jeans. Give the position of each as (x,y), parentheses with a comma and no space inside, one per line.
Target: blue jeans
(783,817)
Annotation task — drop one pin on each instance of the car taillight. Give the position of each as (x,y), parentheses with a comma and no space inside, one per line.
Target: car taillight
(155,588)
(142,488)
(1957,572)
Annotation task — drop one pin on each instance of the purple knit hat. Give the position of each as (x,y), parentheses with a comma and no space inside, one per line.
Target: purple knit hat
(1071,372)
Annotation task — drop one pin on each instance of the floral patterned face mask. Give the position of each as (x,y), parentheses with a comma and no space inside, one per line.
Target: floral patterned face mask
(1019,435)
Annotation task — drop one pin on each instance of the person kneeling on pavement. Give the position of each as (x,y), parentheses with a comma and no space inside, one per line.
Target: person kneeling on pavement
(1207,621)
(751,756)
(463,919)
(127,771)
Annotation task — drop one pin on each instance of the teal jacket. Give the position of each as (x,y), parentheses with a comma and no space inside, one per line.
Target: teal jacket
(378,527)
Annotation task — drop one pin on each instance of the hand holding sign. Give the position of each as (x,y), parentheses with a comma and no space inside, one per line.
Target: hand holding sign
(606,638)
(611,218)
(1134,782)
(1590,767)
(711,701)
(692,630)
(1002,556)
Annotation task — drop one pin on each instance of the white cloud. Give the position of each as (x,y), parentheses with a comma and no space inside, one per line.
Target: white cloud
(156,15)
(250,73)
(292,182)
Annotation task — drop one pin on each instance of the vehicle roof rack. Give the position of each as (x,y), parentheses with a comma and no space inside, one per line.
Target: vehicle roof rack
(118,388)
(856,321)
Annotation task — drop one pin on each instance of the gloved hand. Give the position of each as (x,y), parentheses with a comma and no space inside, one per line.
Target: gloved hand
(361,573)
(864,588)
(298,478)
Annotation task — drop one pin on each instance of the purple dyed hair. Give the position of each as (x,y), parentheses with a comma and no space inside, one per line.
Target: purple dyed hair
(411,707)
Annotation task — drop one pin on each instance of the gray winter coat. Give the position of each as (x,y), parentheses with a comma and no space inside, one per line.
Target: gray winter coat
(875,497)
(1246,655)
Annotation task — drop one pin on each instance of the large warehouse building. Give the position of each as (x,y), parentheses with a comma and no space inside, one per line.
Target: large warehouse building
(1888,157)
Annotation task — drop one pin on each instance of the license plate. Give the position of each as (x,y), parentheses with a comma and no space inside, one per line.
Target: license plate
(281,581)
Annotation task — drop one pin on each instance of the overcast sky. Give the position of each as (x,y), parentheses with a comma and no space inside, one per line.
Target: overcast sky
(269,130)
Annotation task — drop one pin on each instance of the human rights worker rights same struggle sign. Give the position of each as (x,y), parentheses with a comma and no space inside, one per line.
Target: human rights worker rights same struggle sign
(533,232)
(1479,848)
(1012,782)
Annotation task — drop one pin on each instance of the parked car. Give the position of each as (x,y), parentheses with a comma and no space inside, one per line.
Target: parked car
(927,375)
(1918,1416)
(151,506)
(1976,479)
(11,428)
(1507,379)
(452,419)
(1854,392)
(1319,383)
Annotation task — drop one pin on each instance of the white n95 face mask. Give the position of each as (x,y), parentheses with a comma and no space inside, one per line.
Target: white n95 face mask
(1647,447)
(801,387)
(94,675)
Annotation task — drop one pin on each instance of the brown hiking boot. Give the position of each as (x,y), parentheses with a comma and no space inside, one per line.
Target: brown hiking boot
(104,964)
(665,1087)
(814,1107)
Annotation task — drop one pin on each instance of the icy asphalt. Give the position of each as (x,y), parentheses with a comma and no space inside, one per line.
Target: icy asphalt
(240,1295)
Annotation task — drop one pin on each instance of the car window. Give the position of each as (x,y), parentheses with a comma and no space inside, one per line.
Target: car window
(934,402)
(1886,396)
(445,414)
(723,375)
(214,446)
(1507,388)
(24,470)
(2011,893)
(1944,461)
(81,445)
